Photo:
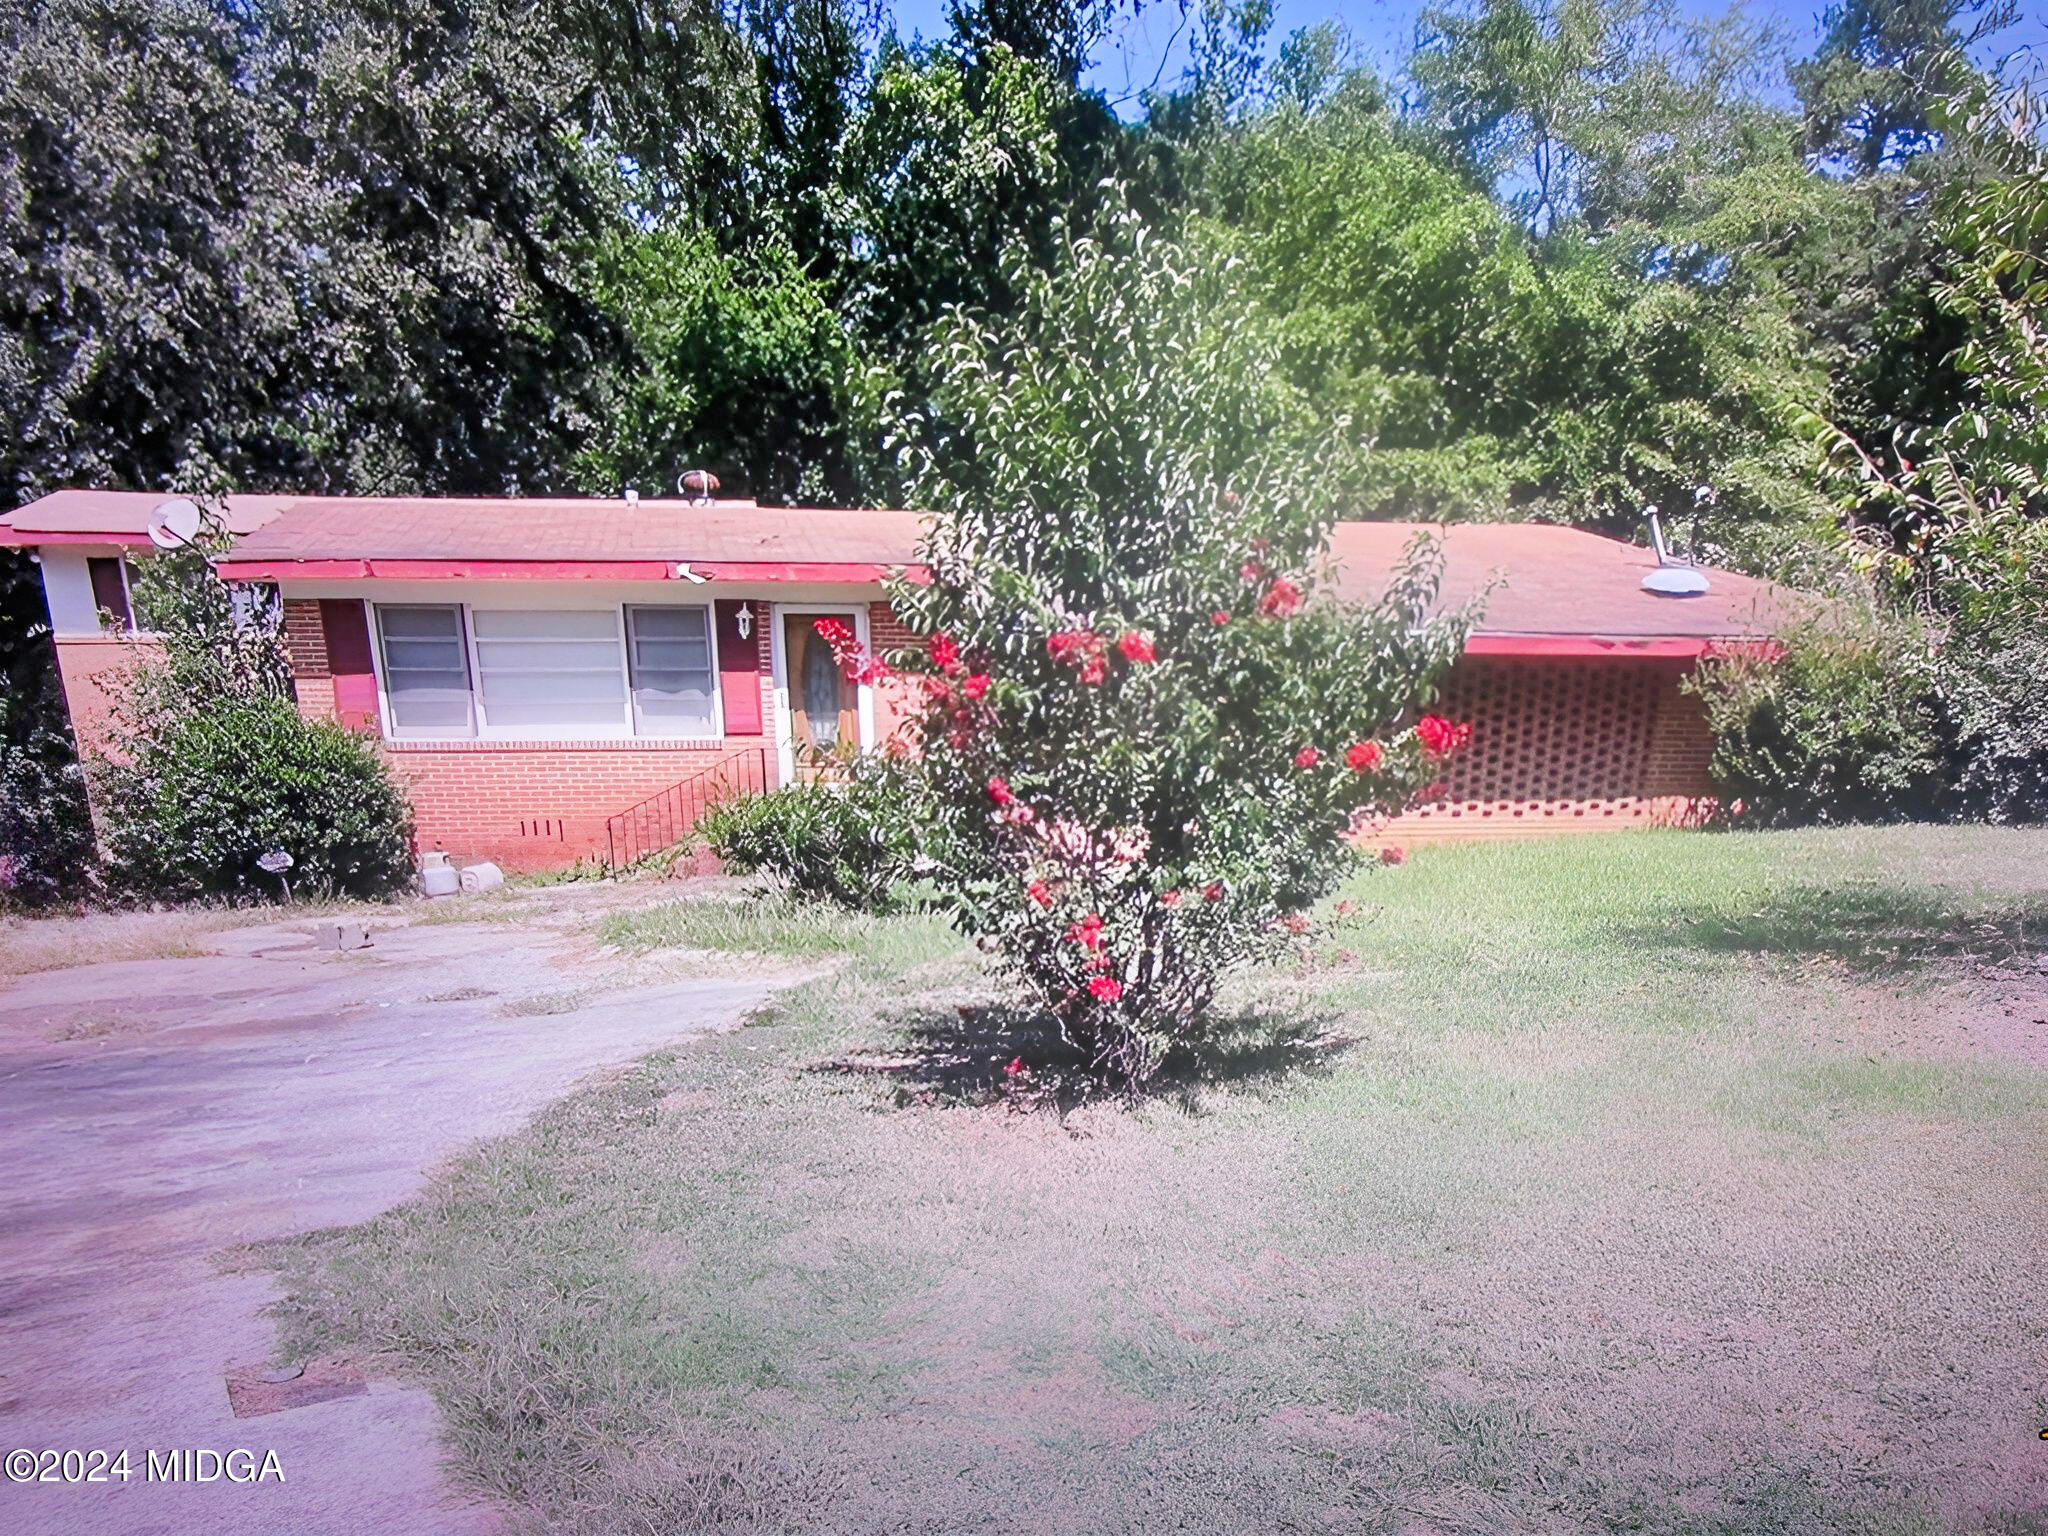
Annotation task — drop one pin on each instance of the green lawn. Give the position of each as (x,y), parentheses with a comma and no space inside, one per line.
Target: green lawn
(1655,1182)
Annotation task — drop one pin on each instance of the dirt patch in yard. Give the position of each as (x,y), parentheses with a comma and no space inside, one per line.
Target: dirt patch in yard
(1997,1020)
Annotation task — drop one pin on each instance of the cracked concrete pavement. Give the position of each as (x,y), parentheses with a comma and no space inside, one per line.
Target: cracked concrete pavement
(156,1113)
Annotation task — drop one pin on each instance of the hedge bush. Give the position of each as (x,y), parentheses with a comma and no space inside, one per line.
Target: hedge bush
(209,788)
(46,844)
(851,841)
(1841,724)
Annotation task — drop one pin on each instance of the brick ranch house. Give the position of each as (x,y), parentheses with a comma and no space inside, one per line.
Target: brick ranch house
(560,680)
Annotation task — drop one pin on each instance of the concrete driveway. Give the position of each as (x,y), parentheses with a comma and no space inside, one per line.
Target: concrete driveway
(156,1113)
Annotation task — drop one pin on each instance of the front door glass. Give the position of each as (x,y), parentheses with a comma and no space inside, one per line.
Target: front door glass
(820,682)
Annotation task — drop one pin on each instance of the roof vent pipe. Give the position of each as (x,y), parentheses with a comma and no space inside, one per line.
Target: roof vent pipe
(698,485)
(1673,577)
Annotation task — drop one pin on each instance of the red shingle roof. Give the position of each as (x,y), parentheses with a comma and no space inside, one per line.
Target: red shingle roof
(116,517)
(1559,583)
(376,528)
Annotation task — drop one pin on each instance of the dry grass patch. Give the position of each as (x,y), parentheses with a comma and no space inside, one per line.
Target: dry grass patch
(60,941)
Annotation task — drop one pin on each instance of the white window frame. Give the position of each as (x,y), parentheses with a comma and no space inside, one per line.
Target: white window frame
(717,729)
(480,728)
(120,559)
(392,731)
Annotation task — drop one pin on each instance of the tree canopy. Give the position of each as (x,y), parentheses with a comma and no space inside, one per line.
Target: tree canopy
(1567,259)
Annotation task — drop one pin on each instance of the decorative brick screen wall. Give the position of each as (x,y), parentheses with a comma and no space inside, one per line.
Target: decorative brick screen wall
(1561,746)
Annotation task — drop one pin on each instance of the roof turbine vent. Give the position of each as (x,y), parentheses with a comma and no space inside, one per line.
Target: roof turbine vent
(698,485)
(1672,577)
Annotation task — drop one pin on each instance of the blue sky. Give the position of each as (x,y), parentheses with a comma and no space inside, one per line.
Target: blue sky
(1383,29)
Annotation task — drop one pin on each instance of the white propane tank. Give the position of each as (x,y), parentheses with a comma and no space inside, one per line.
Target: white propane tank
(437,876)
(482,877)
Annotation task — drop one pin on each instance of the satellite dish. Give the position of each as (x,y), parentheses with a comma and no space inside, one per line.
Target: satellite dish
(1672,577)
(174,524)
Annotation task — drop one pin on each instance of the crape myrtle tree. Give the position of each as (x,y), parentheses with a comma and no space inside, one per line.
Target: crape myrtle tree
(1147,725)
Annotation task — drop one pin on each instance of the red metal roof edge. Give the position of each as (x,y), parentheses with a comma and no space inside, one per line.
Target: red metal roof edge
(836,571)
(1582,647)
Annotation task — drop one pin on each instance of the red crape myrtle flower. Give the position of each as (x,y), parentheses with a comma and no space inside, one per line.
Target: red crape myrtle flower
(1439,737)
(1282,599)
(854,666)
(1363,756)
(999,791)
(975,686)
(1307,757)
(1082,649)
(1220,617)
(1137,648)
(1039,892)
(1016,1068)
(1105,989)
(1213,891)
(944,651)
(1169,898)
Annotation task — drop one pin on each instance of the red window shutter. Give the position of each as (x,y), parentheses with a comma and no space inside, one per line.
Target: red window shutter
(739,670)
(348,662)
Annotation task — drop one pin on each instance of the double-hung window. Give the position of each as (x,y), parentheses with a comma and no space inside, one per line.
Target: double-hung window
(674,684)
(426,670)
(549,671)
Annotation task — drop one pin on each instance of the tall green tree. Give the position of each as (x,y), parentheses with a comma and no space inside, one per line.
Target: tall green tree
(1873,88)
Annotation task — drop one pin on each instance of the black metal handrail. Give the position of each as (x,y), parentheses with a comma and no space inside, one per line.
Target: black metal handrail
(667,817)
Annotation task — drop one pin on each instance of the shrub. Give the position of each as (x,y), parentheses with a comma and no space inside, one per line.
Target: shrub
(1987,579)
(46,843)
(212,765)
(851,841)
(207,790)
(1839,724)
(1144,732)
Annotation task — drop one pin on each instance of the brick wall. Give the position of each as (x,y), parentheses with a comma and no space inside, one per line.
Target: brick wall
(305,642)
(1566,746)
(543,805)
(93,670)
(888,634)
